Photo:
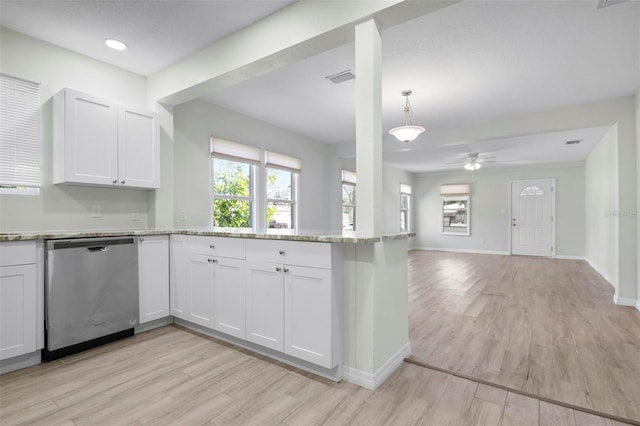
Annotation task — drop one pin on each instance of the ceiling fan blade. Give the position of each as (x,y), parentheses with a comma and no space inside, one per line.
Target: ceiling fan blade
(482,160)
(456,162)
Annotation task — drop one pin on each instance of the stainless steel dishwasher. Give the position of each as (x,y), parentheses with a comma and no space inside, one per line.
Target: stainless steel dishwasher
(91,293)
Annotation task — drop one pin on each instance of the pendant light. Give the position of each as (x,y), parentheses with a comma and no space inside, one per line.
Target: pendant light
(408,132)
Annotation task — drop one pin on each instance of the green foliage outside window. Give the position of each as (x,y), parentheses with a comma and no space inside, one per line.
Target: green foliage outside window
(231,178)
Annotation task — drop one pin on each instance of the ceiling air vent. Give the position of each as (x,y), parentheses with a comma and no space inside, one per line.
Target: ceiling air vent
(341,77)
(574,142)
(605,3)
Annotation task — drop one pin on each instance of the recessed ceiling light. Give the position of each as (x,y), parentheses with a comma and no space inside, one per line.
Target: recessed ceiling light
(572,142)
(115,44)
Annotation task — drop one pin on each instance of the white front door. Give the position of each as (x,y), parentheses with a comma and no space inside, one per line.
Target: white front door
(532,217)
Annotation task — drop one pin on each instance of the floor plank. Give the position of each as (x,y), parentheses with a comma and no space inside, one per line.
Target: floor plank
(547,327)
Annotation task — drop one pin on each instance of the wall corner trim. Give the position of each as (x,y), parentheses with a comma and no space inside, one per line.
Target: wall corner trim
(372,381)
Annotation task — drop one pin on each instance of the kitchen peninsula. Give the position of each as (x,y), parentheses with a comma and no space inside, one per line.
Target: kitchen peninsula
(316,300)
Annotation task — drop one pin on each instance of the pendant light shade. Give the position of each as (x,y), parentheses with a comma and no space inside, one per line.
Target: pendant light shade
(408,132)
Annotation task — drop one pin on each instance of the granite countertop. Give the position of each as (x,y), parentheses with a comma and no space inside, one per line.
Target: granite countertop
(267,234)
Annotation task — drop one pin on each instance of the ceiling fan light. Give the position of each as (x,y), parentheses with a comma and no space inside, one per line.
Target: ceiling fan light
(406,133)
(472,165)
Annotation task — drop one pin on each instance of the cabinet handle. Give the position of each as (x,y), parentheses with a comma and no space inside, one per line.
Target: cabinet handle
(141,240)
(211,246)
(122,181)
(212,260)
(286,270)
(115,181)
(278,269)
(281,252)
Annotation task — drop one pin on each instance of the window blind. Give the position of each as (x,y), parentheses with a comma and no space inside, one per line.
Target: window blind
(348,177)
(234,151)
(284,162)
(461,189)
(405,189)
(19,132)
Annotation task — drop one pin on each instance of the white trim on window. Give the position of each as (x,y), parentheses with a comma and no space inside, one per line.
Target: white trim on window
(348,177)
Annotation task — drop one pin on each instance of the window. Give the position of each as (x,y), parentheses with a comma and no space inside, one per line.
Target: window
(19,136)
(282,175)
(233,184)
(455,209)
(405,207)
(348,200)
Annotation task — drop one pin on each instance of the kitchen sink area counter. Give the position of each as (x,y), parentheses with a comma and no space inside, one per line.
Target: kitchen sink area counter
(316,300)
(267,234)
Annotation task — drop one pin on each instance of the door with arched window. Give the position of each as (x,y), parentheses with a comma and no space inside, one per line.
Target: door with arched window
(532,210)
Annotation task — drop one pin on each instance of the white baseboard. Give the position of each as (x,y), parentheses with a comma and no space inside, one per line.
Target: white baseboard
(624,301)
(502,253)
(19,362)
(147,326)
(565,257)
(372,381)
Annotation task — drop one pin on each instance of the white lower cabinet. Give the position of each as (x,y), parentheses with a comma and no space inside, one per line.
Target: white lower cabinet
(229,284)
(290,307)
(200,290)
(153,277)
(19,302)
(179,282)
(308,314)
(265,305)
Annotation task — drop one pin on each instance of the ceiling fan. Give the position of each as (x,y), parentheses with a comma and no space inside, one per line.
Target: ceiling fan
(473,161)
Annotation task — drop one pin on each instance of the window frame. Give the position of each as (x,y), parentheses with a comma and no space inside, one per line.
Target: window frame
(405,190)
(294,195)
(252,199)
(349,206)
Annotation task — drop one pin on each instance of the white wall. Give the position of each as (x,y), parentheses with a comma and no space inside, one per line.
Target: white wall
(601,180)
(490,206)
(638,198)
(65,206)
(196,121)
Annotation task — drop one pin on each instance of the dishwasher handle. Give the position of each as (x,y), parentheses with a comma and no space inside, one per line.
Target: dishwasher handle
(101,249)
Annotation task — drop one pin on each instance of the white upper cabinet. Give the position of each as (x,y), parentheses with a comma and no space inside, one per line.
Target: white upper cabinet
(138,149)
(98,142)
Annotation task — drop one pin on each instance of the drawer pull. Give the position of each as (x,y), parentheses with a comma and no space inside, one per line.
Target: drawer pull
(211,246)
(212,260)
(115,181)
(286,270)
(122,181)
(281,252)
(278,269)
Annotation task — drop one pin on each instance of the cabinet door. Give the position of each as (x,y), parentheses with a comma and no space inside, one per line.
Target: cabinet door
(308,314)
(17,310)
(179,285)
(138,149)
(265,300)
(153,277)
(229,287)
(90,139)
(200,274)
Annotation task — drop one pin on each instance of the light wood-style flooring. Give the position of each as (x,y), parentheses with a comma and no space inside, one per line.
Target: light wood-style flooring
(543,326)
(172,376)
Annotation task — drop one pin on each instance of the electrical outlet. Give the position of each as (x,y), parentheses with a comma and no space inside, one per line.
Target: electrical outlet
(183,214)
(96,211)
(135,214)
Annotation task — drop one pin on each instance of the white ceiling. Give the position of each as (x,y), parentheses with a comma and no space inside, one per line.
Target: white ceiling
(470,62)
(158,33)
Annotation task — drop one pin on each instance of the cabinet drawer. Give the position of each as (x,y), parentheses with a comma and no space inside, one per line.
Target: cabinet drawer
(217,246)
(299,253)
(17,253)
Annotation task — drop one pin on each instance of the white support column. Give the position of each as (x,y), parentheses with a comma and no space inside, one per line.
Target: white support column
(368,129)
